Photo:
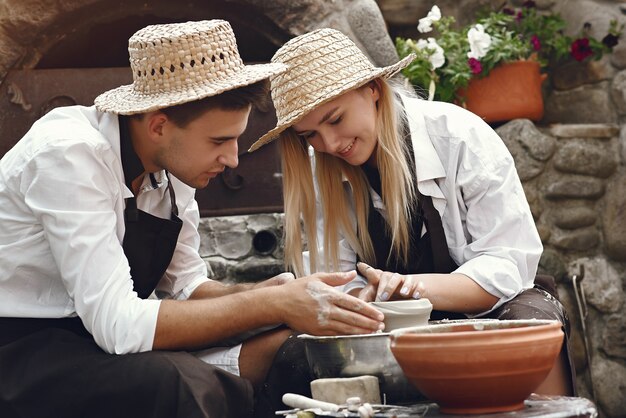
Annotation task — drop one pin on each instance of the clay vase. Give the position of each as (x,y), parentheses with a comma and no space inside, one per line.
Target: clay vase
(510,91)
(478,367)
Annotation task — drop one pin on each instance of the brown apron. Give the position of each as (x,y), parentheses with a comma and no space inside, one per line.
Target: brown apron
(52,367)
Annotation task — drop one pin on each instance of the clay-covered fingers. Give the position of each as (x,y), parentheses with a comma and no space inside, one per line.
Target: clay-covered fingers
(389,284)
(350,315)
(335,279)
(409,287)
(326,310)
(368,293)
(370,273)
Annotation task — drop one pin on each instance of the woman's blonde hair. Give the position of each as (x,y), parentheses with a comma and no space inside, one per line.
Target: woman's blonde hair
(398,192)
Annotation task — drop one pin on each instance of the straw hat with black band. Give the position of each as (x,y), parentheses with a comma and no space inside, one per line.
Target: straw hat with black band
(178,63)
(322,65)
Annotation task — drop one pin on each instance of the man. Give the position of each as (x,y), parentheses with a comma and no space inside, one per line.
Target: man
(98,213)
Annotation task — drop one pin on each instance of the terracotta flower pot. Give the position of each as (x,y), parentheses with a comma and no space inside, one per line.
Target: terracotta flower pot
(479,366)
(510,91)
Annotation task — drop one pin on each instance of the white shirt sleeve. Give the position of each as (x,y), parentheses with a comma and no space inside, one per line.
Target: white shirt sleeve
(71,189)
(502,249)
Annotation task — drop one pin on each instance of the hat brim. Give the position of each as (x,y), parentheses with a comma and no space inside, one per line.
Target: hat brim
(125,100)
(384,72)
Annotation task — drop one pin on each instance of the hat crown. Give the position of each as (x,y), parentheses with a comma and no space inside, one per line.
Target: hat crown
(320,63)
(177,56)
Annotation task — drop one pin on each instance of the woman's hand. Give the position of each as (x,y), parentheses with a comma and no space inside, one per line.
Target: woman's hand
(386,285)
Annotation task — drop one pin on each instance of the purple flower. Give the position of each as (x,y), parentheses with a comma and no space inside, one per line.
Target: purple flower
(508,11)
(580,49)
(529,4)
(474,65)
(610,40)
(519,16)
(535,42)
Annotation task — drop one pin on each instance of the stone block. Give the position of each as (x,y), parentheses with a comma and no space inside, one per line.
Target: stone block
(263,221)
(577,240)
(368,26)
(529,147)
(602,284)
(533,141)
(609,378)
(618,92)
(591,130)
(575,217)
(575,74)
(234,244)
(338,390)
(614,336)
(587,157)
(614,218)
(552,263)
(225,223)
(573,187)
(622,144)
(618,56)
(402,12)
(254,269)
(590,103)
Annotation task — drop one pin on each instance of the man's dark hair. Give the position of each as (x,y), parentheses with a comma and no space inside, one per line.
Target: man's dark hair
(256,94)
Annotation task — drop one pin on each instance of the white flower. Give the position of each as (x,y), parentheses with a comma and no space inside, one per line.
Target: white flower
(426,23)
(479,41)
(436,57)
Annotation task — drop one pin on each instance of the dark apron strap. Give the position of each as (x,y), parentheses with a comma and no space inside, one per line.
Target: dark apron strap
(442,262)
(149,241)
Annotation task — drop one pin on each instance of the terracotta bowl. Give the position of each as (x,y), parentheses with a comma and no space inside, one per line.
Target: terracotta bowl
(478,367)
(404,313)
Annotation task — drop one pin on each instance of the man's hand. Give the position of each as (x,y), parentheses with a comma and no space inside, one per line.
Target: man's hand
(386,285)
(312,305)
(277,280)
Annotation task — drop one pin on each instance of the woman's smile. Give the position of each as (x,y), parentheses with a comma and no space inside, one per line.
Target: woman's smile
(347,151)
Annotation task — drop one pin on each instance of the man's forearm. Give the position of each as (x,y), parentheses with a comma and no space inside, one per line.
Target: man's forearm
(214,289)
(195,323)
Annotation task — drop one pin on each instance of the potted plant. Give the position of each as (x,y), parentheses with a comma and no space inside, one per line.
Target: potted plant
(492,66)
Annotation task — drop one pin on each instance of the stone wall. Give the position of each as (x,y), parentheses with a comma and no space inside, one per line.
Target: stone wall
(574,179)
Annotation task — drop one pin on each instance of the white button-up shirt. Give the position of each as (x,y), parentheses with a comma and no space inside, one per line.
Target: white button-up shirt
(464,166)
(62,194)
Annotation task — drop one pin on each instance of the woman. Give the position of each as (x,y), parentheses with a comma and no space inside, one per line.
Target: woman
(425,193)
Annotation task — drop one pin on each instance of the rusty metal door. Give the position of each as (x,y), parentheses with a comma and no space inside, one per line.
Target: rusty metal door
(253,187)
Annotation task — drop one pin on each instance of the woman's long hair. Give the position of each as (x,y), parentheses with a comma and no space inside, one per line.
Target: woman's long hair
(398,193)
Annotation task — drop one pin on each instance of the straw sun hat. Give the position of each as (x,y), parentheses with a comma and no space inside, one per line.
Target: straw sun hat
(179,63)
(322,65)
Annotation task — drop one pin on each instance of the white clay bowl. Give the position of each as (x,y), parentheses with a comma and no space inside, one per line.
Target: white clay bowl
(404,313)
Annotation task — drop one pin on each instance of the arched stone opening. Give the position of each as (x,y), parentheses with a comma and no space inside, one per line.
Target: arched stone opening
(96,35)
(38,34)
